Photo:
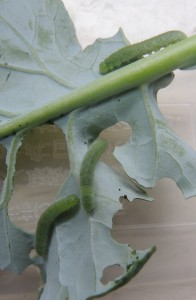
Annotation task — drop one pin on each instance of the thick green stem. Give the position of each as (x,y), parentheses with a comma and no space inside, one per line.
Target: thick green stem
(146,70)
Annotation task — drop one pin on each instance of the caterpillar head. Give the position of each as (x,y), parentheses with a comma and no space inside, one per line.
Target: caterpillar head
(104,68)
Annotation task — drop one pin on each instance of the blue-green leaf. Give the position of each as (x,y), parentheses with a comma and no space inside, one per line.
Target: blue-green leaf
(41,60)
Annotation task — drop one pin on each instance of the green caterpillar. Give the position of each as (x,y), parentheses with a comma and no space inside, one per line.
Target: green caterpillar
(87,172)
(131,53)
(68,207)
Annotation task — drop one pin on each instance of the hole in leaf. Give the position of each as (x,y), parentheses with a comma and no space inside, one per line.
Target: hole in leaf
(41,167)
(110,273)
(6,277)
(22,286)
(116,135)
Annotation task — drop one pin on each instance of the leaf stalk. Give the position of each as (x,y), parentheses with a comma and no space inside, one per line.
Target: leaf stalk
(145,70)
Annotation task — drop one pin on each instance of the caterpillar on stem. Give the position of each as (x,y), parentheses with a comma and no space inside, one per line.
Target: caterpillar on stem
(131,53)
(89,163)
(66,207)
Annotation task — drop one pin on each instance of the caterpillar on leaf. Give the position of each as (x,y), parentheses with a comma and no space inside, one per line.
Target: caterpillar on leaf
(66,207)
(89,163)
(131,53)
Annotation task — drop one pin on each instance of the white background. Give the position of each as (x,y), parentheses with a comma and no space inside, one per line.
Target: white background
(139,19)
